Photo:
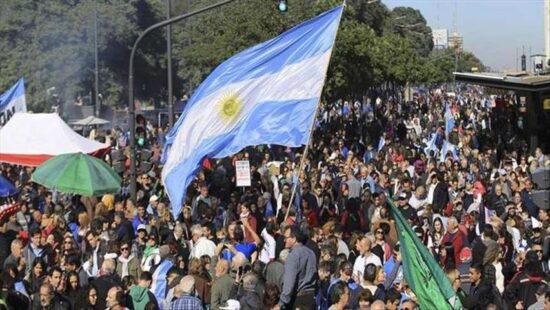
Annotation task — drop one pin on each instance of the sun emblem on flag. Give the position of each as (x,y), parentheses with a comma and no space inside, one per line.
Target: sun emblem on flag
(230,106)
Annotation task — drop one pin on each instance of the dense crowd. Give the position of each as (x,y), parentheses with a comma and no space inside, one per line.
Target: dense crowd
(334,247)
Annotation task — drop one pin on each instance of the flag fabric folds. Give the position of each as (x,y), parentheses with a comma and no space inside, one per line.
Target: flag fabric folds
(427,280)
(449,120)
(449,126)
(381,143)
(431,146)
(12,101)
(266,94)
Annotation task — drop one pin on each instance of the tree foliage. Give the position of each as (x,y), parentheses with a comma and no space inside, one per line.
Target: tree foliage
(51,44)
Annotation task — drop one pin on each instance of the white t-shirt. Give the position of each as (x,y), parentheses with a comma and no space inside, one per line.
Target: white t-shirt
(268,251)
(202,247)
(361,262)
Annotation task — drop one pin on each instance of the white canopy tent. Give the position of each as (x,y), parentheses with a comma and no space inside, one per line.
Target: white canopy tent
(31,139)
(90,121)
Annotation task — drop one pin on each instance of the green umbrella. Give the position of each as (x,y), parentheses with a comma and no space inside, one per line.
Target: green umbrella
(77,174)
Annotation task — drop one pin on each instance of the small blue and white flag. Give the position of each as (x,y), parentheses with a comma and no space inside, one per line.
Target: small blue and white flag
(266,94)
(449,120)
(448,147)
(12,101)
(381,143)
(432,145)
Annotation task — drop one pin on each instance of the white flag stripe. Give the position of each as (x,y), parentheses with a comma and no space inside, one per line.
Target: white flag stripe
(280,86)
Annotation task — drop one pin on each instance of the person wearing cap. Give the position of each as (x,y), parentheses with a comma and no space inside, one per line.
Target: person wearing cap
(141,218)
(152,207)
(408,212)
(140,242)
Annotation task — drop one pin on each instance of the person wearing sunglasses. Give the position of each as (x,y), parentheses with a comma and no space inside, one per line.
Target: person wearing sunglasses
(127,263)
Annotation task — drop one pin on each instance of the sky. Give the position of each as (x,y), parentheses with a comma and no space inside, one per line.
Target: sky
(492,29)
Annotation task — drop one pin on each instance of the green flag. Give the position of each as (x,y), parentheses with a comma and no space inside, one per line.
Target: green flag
(423,274)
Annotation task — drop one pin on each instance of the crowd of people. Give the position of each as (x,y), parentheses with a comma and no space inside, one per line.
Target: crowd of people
(322,237)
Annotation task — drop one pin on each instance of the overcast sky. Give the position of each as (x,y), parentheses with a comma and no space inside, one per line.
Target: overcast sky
(492,29)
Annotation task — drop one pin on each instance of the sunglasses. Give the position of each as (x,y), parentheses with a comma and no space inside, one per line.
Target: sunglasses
(124,249)
(379,232)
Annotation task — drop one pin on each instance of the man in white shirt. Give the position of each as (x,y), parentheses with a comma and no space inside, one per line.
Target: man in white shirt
(267,254)
(366,257)
(201,245)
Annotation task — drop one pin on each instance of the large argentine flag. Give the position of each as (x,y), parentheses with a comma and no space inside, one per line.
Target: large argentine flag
(266,94)
(12,101)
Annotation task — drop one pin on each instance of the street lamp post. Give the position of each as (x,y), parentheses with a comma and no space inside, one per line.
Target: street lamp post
(131,106)
(169,66)
(96,73)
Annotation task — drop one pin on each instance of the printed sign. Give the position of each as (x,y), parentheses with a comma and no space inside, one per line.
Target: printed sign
(243,173)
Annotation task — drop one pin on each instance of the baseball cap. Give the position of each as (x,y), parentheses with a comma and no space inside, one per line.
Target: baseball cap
(153,198)
(465,254)
(142,227)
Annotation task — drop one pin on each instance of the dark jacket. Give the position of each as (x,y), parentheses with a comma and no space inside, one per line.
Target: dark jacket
(125,231)
(522,288)
(480,296)
(103,284)
(250,300)
(58,303)
(440,198)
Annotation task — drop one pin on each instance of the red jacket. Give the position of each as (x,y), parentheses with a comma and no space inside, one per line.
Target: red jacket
(458,242)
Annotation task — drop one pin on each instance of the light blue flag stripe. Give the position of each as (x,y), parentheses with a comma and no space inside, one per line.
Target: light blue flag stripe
(16,91)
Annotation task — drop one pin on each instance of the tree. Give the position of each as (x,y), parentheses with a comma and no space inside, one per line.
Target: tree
(409,23)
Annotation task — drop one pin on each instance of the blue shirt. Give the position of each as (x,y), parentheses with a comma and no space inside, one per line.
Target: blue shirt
(186,302)
(246,248)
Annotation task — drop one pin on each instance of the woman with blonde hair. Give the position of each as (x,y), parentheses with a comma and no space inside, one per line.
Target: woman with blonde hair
(83,228)
(101,210)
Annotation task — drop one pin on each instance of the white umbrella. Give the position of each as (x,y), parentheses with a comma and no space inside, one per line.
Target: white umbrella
(90,121)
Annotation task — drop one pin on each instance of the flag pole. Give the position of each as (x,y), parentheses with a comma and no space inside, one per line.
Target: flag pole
(304,155)
(306,149)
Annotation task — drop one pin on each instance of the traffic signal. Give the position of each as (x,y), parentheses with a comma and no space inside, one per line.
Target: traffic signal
(283,6)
